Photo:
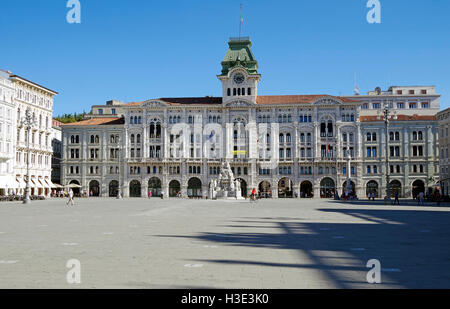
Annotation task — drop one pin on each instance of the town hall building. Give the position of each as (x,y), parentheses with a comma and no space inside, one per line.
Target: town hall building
(284,146)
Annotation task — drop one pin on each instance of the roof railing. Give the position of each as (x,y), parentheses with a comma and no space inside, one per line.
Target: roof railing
(240,39)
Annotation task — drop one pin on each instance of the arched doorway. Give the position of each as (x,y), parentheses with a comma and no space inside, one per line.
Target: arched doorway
(352,187)
(396,187)
(327,188)
(372,187)
(135,189)
(155,186)
(243,187)
(113,188)
(417,187)
(76,191)
(194,188)
(94,188)
(174,188)
(306,189)
(264,190)
(285,189)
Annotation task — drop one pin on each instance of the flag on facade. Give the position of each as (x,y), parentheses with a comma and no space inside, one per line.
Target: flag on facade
(261,137)
(211,136)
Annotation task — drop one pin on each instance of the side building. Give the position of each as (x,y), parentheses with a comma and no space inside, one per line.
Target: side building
(39,101)
(444,145)
(7,135)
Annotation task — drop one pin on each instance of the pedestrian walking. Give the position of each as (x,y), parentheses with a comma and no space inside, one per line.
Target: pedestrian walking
(396,200)
(438,198)
(149,194)
(421,199)
(70,198)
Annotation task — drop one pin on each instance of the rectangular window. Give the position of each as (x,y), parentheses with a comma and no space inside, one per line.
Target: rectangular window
(412,105)
(425,105)
(400,105)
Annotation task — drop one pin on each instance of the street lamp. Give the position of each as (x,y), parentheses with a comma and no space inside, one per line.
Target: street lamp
(336,194)
(119,191)
(28,122)
(386,113)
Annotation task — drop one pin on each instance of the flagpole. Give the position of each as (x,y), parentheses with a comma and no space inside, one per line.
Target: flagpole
(240,24)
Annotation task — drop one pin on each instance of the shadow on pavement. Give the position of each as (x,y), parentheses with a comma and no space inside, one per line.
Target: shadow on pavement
(411,245)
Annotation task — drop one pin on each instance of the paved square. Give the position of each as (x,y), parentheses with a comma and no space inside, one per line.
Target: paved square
(141,243)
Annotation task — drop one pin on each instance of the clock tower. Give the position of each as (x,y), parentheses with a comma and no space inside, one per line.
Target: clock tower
(239,76)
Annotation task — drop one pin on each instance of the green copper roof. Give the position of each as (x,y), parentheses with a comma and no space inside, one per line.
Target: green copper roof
(239,54)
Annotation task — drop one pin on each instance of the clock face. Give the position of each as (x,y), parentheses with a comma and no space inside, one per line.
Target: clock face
(239,78)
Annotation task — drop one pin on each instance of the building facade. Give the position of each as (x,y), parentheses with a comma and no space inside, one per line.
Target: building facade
(282,146)
(7,134)
(39,101)
(444,145)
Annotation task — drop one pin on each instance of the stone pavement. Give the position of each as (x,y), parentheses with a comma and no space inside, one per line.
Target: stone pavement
(141,243)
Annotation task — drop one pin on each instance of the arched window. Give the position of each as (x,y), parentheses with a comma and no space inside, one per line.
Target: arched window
(288,138)
(374,137)
(132,138)
(281,138)
(72,139)
(397,136)
(249,91)
(92,139)
(228,92)
(234,91)
(369,137)
(138,139)
(97,139)
(330,128)
(420,135)
(391,136)
(415,136)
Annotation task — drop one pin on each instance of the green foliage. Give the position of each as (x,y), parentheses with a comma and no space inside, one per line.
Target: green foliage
(70,118)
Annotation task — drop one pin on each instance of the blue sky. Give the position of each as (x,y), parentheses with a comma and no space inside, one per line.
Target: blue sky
(139,49)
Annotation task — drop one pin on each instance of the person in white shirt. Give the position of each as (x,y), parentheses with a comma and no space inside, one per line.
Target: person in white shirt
(70,198)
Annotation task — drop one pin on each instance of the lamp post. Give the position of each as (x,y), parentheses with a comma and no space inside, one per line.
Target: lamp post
(386,112)
(336,194)
(119,191)
(28,122)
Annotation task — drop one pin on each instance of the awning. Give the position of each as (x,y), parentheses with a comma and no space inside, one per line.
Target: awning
(41,184)
(20,184)
(35,184)
(7,182)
